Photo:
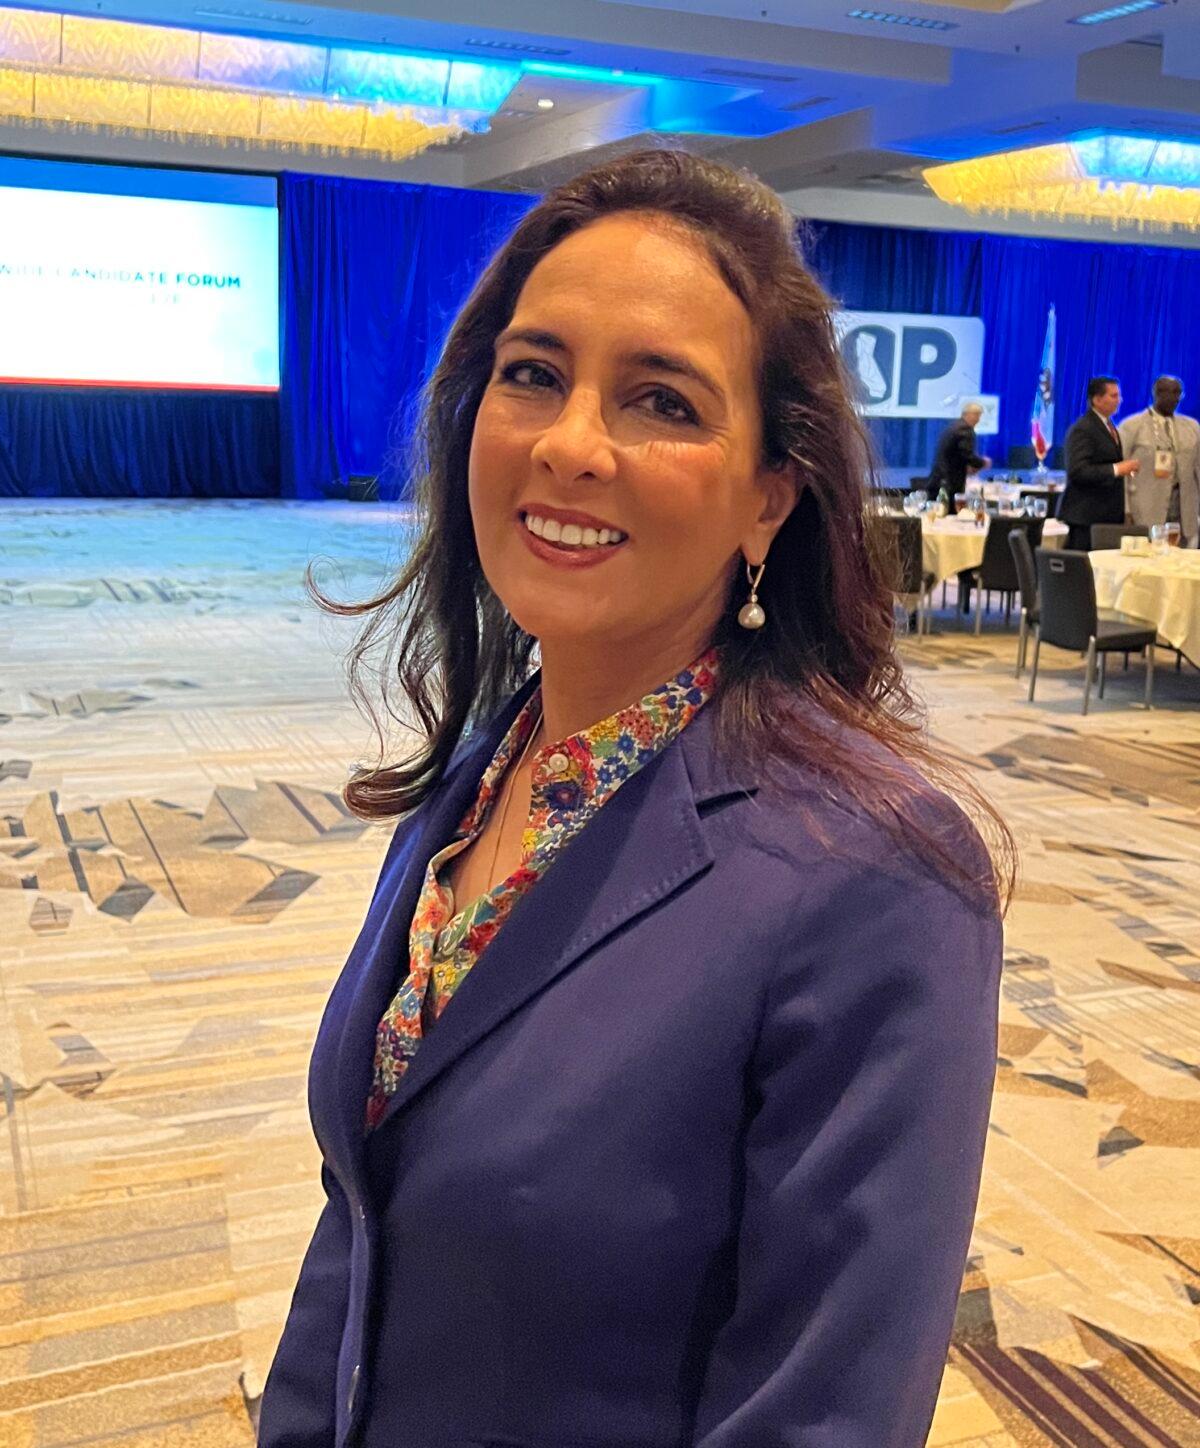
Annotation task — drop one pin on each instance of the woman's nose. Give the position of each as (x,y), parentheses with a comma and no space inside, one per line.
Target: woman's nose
(577,445)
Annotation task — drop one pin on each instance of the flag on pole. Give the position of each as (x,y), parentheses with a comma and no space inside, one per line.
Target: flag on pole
(1042,421)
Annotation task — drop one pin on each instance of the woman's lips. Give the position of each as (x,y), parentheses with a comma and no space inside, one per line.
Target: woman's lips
(570,544)
(577,530)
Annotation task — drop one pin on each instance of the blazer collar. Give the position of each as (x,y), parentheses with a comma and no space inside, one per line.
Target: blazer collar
(646,843)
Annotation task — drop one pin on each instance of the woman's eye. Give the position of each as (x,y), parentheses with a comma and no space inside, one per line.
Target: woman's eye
(669,405)
(528,374)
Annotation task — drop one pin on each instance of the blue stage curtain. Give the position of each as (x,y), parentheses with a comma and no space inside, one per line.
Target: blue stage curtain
(1122,310)
(374,273)
(87,443)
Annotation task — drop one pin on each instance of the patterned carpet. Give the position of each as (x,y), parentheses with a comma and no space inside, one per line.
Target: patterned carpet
(179,883)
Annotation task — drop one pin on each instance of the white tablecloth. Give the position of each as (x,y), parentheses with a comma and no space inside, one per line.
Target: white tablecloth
(1165,590)
(951,544)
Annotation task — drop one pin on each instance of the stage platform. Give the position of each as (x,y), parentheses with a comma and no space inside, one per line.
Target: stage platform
(179,885)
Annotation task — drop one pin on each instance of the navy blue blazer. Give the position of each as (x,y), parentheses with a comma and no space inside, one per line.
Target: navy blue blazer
(690,1159)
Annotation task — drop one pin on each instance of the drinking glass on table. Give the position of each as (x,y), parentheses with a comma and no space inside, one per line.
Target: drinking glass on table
(913,502)
(964,502)
(1158,538)
(1040,507)
(1174,534)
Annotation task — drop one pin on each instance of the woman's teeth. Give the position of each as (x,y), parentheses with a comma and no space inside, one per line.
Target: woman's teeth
(571,535)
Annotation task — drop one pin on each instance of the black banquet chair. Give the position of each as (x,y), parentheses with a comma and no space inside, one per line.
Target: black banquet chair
(1068,619)
(1022,554)
(1109,535)
(900,539)
(998,570)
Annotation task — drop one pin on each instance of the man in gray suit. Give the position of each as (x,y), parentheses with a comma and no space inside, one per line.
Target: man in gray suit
(1166,488)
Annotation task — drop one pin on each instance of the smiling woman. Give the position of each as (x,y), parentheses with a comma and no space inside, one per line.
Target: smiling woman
(652,1098)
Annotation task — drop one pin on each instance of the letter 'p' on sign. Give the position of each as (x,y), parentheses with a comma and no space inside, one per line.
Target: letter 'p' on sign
(904,364)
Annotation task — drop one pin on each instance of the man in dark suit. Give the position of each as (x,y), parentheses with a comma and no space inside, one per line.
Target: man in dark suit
(956,454)
(1096,466)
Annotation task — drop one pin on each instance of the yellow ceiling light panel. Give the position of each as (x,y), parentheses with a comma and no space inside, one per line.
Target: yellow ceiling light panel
(29,37)
(92,100)
(16,92)
(1061,181)
(77,72)
(194,111)
(135,52)
(314,123)
(398,134)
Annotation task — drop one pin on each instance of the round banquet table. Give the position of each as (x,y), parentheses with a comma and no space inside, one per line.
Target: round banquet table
(1164,588)
(950,545)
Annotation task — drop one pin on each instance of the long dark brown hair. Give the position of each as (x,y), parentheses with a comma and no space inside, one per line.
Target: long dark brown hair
(441,634)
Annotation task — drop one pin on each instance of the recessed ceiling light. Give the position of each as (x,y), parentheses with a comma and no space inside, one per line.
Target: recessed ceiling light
(221,13)
(515,45)
(1117,12)
(916,22)
(545,103)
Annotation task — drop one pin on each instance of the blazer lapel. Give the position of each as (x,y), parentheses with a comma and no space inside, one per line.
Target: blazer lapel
(644,844)
(383,944)
(1102,428)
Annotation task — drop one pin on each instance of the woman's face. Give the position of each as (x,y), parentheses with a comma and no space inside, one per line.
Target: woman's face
(615,472)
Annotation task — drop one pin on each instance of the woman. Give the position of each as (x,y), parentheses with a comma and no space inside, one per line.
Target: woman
(652,1098)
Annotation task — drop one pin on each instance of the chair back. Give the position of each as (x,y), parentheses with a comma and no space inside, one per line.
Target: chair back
(1066,597)
(1022,555)
(900,541)
(1109,535)
(998,569)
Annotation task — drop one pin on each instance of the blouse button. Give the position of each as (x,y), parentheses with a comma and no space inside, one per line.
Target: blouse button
(557,763)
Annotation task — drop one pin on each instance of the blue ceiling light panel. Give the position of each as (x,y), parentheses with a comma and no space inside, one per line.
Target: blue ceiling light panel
(417,80)
(1144,160)
(1117,12)
(476,87)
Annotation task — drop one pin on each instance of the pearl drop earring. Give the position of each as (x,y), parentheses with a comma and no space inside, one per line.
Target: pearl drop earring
(752,614)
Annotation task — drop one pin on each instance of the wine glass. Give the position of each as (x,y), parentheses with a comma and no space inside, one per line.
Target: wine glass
(1040,449)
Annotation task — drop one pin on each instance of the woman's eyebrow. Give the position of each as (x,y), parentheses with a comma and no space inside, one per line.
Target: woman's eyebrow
(547,341)
(679,366)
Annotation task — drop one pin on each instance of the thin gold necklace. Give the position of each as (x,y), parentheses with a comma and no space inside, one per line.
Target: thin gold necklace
(509,789)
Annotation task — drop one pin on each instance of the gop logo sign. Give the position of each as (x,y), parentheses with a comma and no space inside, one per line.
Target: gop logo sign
(908,365)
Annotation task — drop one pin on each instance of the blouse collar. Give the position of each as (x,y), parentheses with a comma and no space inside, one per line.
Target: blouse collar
(580,772)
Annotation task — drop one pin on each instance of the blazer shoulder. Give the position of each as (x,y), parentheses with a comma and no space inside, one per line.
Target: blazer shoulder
(804,816)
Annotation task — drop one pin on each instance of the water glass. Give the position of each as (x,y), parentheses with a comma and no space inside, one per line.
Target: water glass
(1040,507)
(1158,538)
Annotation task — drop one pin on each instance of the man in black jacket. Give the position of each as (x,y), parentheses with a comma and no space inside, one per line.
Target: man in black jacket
(956,454)
(1096,466)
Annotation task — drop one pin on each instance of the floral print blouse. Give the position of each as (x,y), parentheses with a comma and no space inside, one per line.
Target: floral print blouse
(571,781)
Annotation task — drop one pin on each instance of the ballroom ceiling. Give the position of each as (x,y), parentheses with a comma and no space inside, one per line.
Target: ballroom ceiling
(830,99)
